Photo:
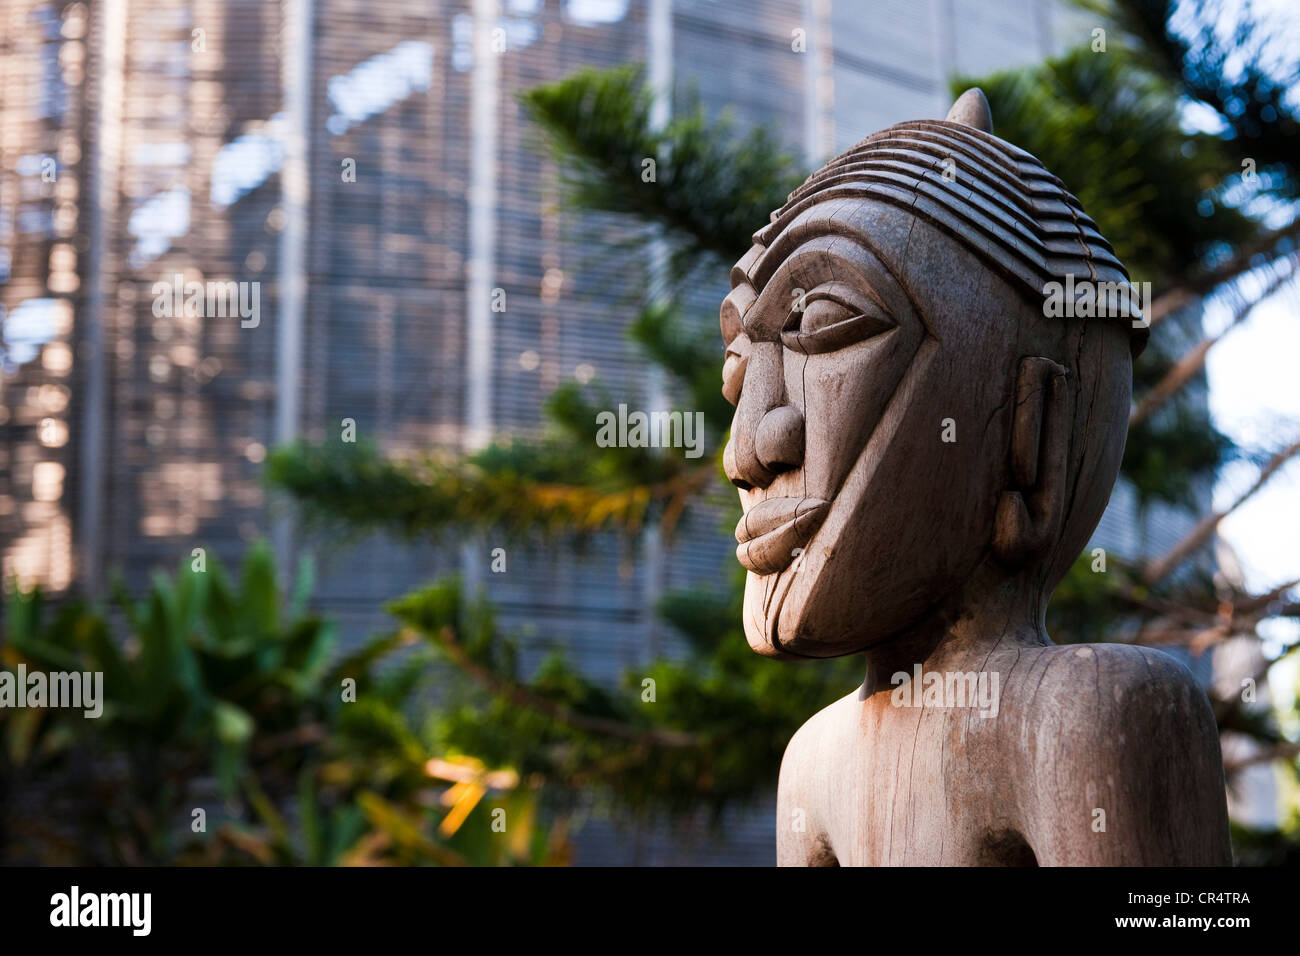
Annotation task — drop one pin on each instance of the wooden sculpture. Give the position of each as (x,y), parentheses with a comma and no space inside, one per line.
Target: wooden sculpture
(922,450)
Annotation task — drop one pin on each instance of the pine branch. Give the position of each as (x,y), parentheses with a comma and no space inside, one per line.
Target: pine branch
(711,187)
(1267,755)
(1226,65)
(1275,245)
(1252,603)
(1193,361)
(521,695)
(1160,568)
(1109,127)
(360,489)
(1228,712)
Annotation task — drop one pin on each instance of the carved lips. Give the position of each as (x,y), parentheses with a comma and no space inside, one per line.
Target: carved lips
(770,532)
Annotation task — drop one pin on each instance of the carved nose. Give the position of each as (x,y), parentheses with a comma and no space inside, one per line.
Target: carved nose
(776,446)
(778,443)
(767,434)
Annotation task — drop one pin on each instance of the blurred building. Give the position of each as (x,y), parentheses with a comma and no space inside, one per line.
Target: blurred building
(360,173)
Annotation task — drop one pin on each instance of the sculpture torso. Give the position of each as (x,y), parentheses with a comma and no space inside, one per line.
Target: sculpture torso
(931,786)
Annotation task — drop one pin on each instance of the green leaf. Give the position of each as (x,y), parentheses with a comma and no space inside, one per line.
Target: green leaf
(234,725)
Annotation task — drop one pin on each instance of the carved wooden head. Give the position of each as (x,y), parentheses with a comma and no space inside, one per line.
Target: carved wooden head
(906,406)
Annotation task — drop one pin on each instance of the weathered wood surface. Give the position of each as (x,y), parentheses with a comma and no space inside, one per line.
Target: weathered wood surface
(921,453)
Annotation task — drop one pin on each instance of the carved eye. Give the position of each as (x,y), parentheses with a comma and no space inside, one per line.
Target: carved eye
(832,320)
(734,364)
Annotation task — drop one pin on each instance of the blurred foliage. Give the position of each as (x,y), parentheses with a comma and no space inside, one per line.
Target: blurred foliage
(511,488)
(675,736)
(560,482)
(1173,458)
(1226,58)
(1257,846)
(713,186)
(216,700)
(1176,202)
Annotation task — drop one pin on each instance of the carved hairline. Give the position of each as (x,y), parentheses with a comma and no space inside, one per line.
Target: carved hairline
(993,197)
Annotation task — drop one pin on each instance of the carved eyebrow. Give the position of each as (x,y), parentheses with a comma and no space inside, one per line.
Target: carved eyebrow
(732,314)
(740,271)
(816,232)
(830,258)
(815,222)
(741,297)
(845,257)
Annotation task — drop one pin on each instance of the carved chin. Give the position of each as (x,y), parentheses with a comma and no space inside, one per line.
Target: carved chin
(789,545)
(764,596)
(772,549)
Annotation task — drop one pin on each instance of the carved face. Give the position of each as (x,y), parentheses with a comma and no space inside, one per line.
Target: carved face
(905,409)
(870,358)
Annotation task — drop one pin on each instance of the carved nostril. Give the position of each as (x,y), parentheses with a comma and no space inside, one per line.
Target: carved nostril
(730,470)
(778,440)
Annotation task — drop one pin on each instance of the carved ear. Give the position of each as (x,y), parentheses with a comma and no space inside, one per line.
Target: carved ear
(1029,514)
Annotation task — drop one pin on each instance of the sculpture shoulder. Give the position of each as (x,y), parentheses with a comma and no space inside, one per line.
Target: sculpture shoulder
(804,814)
(1110,686)
(817,743)
(1120,757)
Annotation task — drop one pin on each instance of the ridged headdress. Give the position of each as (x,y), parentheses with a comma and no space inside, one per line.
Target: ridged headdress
(994,197)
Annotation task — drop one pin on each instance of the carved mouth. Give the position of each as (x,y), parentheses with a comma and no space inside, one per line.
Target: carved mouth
(770,532)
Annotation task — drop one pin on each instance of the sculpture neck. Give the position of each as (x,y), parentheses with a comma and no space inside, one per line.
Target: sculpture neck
(991,610)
